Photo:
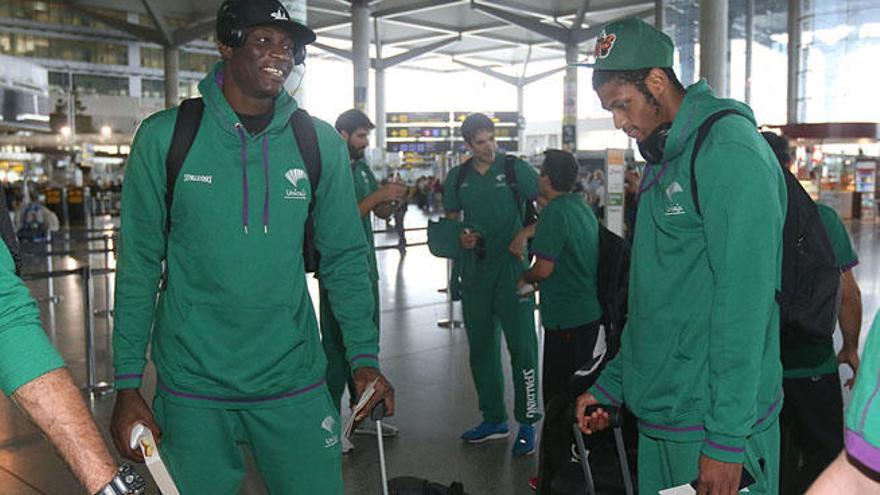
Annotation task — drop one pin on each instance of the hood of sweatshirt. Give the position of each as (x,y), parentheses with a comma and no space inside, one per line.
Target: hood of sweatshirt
(699,102)
(222,115)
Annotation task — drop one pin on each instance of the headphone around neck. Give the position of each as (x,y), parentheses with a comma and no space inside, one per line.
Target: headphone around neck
(652,147)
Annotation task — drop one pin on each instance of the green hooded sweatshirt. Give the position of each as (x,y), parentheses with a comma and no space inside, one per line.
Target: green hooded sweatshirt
(234,326)
(699,359)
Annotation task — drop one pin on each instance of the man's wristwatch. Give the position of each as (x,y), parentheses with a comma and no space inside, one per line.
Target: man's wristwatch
(126,482)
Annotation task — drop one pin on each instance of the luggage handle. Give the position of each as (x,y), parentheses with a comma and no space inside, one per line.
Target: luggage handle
(615,418)
(377,414)
(613,413)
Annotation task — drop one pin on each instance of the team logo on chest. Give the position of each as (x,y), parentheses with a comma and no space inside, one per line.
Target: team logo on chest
(500,180)
(673,207)
(295,190)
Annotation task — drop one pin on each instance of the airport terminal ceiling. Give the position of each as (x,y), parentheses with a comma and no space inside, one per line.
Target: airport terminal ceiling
(482,36)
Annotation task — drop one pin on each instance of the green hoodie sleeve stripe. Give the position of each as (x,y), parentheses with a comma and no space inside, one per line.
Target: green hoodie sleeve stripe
(339,237)
(743,213)
(25,351)
(141,250)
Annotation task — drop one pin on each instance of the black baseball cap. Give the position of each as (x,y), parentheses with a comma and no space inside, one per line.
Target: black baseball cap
(250,13)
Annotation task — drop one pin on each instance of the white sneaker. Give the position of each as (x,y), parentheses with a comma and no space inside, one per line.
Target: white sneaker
(368,427)
(347,446)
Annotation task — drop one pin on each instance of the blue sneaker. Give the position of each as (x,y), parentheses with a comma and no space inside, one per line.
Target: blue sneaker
(525,441)
(484,431)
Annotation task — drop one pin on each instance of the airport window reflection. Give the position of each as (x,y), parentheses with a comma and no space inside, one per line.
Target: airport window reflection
(26,45)
(154,58)
(89,84)
(52,12)
(840,41)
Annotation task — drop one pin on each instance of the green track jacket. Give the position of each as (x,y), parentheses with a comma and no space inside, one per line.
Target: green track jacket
(235,326)
(699,359)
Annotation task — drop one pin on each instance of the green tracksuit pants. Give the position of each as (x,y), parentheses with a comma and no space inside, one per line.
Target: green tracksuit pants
(491,306)
(295,447)
(338,368)
(665,463)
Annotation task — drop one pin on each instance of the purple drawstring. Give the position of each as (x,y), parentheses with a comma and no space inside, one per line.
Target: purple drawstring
(266,173)
(244,179)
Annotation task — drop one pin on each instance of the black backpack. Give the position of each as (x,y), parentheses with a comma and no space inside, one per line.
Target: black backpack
(612,286)
(809,299)
(7,231)
(530,215)
(187,126)
(408,485)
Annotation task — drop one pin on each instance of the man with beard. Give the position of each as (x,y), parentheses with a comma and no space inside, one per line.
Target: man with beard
(354,127)
(233,334)
(699,358)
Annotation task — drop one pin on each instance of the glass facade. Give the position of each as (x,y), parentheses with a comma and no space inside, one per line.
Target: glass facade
(52,12)
(155,88)
(26,45)
(840,41)
(768,81)
(154,58)
(87,84)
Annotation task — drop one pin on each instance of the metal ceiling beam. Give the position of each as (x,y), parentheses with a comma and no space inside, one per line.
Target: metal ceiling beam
(489,72)
(555,33)
(159,21)
(385,63)
(526,9)
(578,21)
(141,32)
(329,8)
(411,7)
(195,30)
(584,34)
(338,52)
(322,28)
(542,75)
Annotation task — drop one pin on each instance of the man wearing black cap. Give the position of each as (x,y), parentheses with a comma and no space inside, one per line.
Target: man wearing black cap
(233,333)
(699,359)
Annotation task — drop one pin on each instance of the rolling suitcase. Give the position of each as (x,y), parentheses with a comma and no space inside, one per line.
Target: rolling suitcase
(578,479)
(405,485)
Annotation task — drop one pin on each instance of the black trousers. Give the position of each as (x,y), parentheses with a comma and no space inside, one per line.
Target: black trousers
(811,426)
(564,352)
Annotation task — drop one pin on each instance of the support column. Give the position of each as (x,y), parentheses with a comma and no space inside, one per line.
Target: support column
(360,51)
(686,52)
(659,15)
(794,59)
(379,121)
(569,104)
(134,63)
(172,73)
(521,118)
(713,44)
(750,39)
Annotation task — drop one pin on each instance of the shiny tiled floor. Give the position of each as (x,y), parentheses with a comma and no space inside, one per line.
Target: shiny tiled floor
(427,364)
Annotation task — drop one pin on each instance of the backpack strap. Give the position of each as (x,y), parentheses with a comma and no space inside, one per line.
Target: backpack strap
(7,231)
(189,116)
(307,141)
(459,179)
(702,133)
(510,178)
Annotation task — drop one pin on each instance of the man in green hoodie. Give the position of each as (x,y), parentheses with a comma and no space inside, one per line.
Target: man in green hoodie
(699,359)
(233,333)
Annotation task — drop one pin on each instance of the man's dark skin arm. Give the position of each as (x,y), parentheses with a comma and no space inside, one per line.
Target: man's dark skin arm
(850,319)
(379,202)
(54,404)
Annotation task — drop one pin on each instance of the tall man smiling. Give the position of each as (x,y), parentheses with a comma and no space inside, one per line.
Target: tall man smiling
(234,336)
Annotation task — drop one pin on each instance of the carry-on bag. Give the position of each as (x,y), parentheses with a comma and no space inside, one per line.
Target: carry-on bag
(405,485)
